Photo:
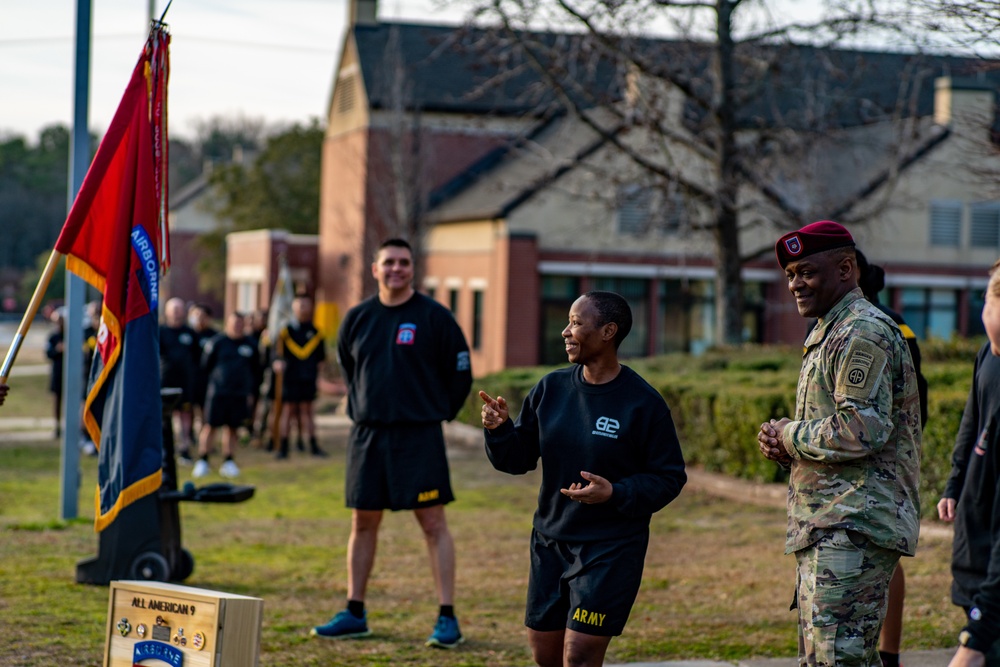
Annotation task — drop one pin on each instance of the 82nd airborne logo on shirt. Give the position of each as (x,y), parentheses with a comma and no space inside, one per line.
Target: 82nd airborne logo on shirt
(406,334)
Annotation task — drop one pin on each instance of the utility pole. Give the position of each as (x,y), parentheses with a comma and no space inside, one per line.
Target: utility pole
(79,162)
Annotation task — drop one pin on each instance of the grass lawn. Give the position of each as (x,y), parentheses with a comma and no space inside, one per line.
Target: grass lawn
(716,583)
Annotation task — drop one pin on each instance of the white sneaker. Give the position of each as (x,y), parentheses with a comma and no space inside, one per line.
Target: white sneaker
(201,468)
(229,469)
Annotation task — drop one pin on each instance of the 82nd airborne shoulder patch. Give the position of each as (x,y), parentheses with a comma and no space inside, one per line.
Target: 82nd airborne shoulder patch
(859,376)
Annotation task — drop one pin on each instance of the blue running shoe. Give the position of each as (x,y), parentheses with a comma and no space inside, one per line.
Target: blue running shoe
(344,625)
(446,633)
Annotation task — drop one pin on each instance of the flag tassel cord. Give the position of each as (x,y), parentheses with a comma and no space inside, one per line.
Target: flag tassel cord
(29,314)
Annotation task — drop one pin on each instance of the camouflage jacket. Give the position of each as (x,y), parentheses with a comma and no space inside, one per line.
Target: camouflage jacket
(855,441)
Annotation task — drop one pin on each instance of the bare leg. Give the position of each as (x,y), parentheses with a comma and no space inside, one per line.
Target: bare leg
(441,547)
(186,420)
(205,440)
(892,628)
(546,647)
(582,650)
(567,648)
(361,551)
(306,419)
(229,442)
(286,419)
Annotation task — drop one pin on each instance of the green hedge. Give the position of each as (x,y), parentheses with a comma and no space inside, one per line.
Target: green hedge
(719,400)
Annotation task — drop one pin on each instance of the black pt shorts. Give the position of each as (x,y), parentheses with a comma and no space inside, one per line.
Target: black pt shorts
(298,391)
(222,410)
(587,587)
(397,467)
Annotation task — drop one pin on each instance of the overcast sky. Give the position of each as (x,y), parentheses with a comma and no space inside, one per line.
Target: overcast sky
(269,59)
(262,59)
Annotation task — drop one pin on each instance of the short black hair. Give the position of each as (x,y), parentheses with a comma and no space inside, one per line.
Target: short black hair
(612,307)
(393,243)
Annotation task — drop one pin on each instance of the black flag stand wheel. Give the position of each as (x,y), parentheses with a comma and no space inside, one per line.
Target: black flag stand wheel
(184,567)
(150,566)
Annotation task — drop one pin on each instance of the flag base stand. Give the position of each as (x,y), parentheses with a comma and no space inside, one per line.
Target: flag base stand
(144,542)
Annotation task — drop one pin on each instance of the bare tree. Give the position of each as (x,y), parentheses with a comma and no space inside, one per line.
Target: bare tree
(743,89)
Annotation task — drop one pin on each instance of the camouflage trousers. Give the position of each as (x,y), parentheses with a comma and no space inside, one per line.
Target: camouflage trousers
(842,588)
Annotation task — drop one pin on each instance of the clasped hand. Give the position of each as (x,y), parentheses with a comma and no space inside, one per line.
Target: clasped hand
(769,440)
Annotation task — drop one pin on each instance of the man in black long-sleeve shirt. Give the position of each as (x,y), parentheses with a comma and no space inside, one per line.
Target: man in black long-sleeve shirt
(180,360)
(406,364)
(972,499)
(229,364)
(610,459)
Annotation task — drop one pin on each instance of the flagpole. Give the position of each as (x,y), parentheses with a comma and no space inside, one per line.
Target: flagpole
(278,381)
(79,162)
(29,314)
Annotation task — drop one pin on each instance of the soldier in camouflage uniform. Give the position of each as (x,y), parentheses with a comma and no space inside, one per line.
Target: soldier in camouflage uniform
(852,449)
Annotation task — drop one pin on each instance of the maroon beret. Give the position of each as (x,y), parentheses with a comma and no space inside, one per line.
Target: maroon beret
(813,238)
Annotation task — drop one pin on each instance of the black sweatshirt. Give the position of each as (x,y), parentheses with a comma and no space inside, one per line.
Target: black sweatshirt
(229,364)
(974,483)
(177,354)
(405,364)
(302,369)
(621,430)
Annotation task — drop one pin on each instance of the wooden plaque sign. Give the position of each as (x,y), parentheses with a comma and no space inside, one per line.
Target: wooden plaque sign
(155,624)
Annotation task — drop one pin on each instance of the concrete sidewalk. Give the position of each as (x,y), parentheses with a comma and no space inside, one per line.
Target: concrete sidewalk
(935,658)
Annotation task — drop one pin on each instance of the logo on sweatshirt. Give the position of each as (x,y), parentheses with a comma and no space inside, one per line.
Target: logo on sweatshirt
(606,427)
(406,334)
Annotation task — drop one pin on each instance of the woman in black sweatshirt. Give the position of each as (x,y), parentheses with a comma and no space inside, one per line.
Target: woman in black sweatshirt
(610,459)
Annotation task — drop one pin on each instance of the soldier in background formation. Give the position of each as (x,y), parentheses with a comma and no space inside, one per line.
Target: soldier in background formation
(180,357)
(200,321)
(852,449)
(54,348)
(229,364)
(301,355)
(256,326)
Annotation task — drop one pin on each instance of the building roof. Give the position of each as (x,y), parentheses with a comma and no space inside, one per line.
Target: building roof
(469,69)
(854,100)
(448,68)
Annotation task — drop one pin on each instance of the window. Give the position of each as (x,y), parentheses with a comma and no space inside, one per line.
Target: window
(477,319)
(931,313)
(977,299)
(246,296)
(634,207)
(453,301)
(558,294)
(687,315)
(946,223)
(345,94)
(636,292)
(984,225)
(641,210)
